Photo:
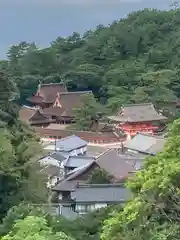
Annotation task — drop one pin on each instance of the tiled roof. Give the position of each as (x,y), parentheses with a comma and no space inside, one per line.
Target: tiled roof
(34,116)
(58,156)
(118,165)
(68,101)
(137,113)
(70,143)
(65,185)
(71,101)
(57,126)
(146,143)
(101,193)
(69,183)
(95,150)
(25,113)
(78,161)
(48,92)
(38,117)
(82,134)
(53,111)
(80,170)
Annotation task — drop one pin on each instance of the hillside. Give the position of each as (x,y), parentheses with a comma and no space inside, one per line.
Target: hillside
(133,60)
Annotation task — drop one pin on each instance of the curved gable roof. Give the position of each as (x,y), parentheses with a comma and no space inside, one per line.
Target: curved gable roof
(138,113)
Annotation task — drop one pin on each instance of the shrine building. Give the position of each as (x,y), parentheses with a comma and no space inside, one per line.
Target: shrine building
(52,103)
(136,118)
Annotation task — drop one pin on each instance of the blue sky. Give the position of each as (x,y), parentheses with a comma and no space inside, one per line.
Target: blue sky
(42,21)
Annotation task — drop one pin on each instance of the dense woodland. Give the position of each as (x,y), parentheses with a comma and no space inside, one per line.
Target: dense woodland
(133,60)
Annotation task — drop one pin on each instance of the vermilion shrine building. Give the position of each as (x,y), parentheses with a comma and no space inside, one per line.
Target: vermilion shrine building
(134,118)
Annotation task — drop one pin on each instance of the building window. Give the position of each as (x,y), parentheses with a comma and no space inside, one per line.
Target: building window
(81,208)
(85,208)
(90,208)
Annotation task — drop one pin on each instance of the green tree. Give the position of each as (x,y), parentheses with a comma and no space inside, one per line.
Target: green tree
(117,97)
(8,93)
(85,227)
(131,54)
(100,176)
(89,112)
(19,171)
(20,212)
(154,211)
(33,227)
(140,95)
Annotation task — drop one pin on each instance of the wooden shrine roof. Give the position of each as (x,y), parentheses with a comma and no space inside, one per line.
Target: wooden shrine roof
(25,113)
(68,101)
(47,93)
(46,131)
(137,113)
(34,116)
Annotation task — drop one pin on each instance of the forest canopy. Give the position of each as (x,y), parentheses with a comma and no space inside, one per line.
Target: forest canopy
(135,59)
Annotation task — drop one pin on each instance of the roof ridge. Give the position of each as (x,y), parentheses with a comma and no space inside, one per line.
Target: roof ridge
(67,137)
(50,84)
(42,113)
(86,185)
(137,104)
(129,157)
(77,92)
(103,153)
(78,170)
(64,138)
(75,131)
(82,156)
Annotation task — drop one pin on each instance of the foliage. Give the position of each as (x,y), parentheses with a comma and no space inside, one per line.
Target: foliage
(89,112)
(132,60)
(86,227)
(20,212)
(154,211)
(19,171)
(33,227)
(100,176)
